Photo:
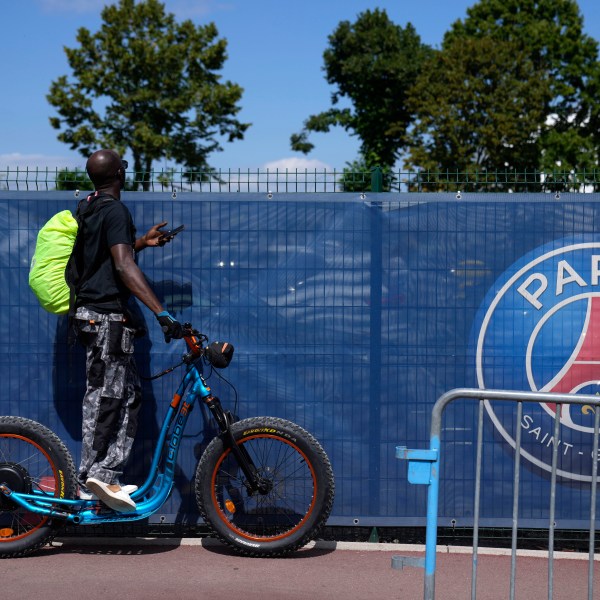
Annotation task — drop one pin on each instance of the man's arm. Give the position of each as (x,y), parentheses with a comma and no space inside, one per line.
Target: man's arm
(151,238)
(131,275)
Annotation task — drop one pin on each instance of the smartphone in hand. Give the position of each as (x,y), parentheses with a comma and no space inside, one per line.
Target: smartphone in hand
(169,234)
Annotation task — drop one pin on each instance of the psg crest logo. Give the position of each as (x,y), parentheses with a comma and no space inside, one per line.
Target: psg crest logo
(538,329)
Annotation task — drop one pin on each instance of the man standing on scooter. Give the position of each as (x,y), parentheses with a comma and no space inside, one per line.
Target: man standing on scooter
(107,276)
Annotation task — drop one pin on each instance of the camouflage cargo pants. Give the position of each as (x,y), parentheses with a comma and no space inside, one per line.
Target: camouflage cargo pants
(113,396)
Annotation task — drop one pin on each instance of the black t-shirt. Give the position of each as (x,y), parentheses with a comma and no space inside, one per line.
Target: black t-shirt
(102,289)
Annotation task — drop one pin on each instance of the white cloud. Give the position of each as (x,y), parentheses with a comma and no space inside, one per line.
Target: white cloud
(41,162)
(297,164)
(284,175)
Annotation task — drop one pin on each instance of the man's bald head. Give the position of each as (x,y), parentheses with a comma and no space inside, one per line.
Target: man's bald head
(103,168)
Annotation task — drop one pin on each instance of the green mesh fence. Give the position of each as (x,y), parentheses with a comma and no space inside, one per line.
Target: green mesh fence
(313,180)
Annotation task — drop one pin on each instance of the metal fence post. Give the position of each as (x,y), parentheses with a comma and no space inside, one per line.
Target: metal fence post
(424,469)
(376,179)
(432,520)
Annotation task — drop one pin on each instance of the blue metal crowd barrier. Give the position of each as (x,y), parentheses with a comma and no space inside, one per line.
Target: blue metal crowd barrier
(424,468)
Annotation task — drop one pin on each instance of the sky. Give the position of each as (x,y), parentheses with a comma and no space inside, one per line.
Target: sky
(275,52)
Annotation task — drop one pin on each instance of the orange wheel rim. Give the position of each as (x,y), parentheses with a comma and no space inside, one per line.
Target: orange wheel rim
(258,538)
(43,519)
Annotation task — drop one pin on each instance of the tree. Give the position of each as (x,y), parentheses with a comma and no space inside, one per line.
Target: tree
(77,179)
(358,176)
(150,85)
(548,40)
(373,63)
(479,104)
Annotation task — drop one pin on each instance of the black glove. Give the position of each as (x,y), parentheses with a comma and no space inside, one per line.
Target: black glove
(170,326)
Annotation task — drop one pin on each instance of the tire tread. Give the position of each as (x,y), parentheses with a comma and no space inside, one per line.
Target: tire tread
(203,475)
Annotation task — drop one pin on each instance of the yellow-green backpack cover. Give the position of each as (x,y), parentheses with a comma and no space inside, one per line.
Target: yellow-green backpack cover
(53,248)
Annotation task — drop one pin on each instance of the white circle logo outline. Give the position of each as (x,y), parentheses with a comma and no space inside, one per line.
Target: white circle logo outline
(479,355)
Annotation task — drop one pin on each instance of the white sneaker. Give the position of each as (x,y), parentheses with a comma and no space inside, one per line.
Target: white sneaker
(119,501)
(128,489)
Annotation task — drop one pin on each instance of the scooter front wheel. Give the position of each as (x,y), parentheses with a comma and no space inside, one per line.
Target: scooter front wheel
(33,460)
(296,495)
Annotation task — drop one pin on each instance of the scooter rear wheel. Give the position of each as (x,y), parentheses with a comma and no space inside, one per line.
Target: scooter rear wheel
(33,460)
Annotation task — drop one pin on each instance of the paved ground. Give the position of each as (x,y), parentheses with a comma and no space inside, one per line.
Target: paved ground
(202,569)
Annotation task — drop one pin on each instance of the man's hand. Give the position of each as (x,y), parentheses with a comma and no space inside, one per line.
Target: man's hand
(170,326)
(153,237)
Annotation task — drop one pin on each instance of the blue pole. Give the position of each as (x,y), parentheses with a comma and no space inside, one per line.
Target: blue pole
(432,515)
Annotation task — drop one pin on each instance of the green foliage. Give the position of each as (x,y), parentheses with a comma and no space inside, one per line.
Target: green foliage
(551,34)
(150,85)
(77,179)
(166,178)
(514,85)
(373,63)
(358,176)
(479,105)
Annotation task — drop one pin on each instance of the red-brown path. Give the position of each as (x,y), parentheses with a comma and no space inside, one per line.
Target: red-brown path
(94,569)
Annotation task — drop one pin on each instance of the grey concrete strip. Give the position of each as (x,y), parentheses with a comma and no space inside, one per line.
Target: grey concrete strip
(322,545)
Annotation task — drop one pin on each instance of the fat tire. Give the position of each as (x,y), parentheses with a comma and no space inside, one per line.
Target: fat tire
(302,446)
(63,470)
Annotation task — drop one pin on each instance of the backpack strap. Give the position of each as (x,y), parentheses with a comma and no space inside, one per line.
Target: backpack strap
(75,275)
